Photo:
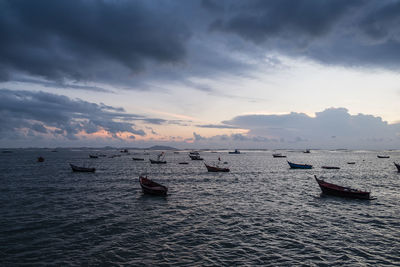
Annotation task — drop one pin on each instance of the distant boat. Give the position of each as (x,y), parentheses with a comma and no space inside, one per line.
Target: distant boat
(159,160)
(124,151)
(383,157)
(307,151)
(40,159)
(154,161)
(6,151)
(336,190)
(93,156)
(81,169)
(397,166)
(138,159)
(194,153)
(151,187)
(330,167)
(195,157)
(278,155)
(183,163)
(216,168)
(234,152)
(299,166)
(351,162)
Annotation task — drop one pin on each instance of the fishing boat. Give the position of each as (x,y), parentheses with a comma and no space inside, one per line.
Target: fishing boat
(216,168)
(307,151)
(93,156)
(151,187)
(278,155)
(195,157)
(138,159)
(383,157)
(299,166)
(40,159)
(330,167)
(351,162)
(234,152)
(336,190)
(159,160)
(397,166)
(81,169)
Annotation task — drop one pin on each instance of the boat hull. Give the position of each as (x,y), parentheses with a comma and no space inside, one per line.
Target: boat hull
(397,166)
(383,157)
(81,169)
(299,166)
(152,161)
(330,167)
(340,191)
(138,159)
(152,188)
(216,169)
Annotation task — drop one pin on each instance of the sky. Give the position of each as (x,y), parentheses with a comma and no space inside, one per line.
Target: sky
(200,73)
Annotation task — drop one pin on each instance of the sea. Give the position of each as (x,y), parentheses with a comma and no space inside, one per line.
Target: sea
(261,213)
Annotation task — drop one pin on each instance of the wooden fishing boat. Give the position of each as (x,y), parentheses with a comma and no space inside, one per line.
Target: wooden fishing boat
(299,166)
(307,151)
(93,156)
(81,169)
(383,157)
(195,157)
(397,166)
(330,167)
(234,152)
(341,191)
(216,169)
(154,161)
(151,187)
(278,155)
(138,159)
(159,160)
(40,159)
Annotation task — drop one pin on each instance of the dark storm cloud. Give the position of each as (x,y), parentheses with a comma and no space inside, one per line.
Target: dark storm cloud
(80,40)
(137,44)
(59,115)
(356,33)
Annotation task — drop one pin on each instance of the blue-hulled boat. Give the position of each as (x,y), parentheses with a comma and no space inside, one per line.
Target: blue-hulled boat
(299,166)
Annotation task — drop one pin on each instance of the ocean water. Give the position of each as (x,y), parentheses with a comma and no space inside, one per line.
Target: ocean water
(261,213)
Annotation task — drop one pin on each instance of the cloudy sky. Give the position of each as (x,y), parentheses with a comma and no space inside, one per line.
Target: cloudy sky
(200,73)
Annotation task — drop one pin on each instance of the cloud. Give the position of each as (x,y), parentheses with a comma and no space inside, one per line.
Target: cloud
(217,126)
(349,33)
(81,40)
(299,129)
(47,113)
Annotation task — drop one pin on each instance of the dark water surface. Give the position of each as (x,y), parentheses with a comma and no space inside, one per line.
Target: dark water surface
(261,213)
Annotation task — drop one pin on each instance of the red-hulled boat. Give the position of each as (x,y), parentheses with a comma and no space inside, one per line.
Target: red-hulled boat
(216,169)
(398,166)
(340,191)
(151,187)
(81,169)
